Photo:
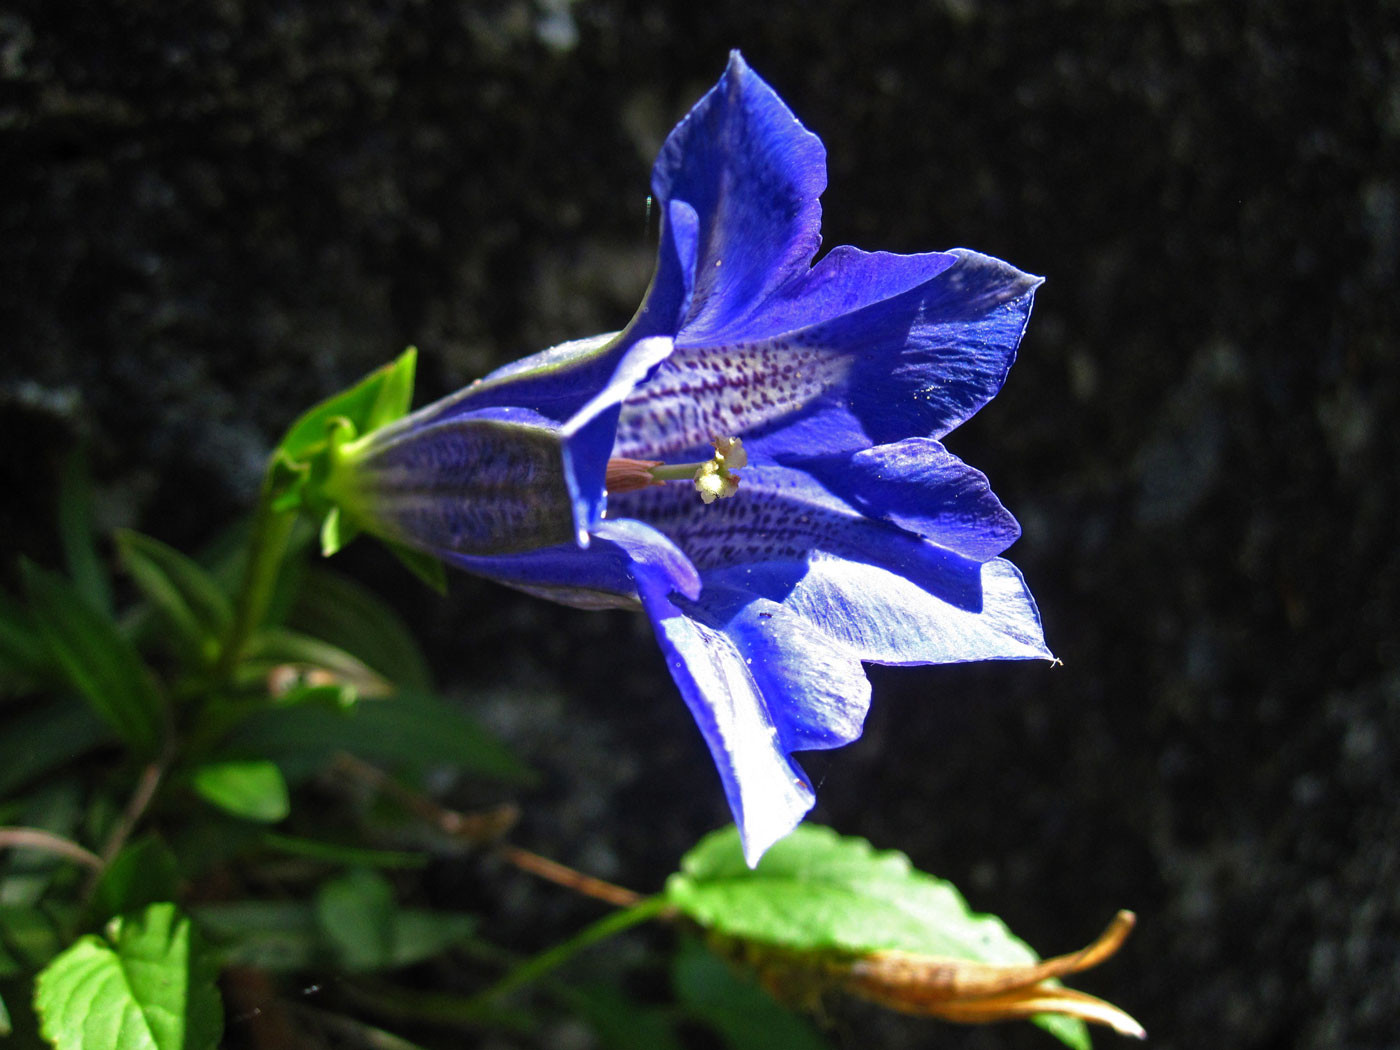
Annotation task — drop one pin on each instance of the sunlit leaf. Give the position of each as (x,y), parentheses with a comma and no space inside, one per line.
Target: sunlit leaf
(147,984)
(826,913)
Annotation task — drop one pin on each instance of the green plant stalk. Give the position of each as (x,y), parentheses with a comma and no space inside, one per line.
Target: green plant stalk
(537,966)
(267,546)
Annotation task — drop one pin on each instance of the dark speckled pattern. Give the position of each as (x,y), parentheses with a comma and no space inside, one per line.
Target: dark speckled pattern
(700,393)
(473,486)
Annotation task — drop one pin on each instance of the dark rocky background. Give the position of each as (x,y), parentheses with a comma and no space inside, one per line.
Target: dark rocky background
(212,214)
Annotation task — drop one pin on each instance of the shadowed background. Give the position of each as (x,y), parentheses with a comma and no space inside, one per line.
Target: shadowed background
(213,214)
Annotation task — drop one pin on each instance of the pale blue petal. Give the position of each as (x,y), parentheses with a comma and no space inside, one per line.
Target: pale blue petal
(885,618)
(815,689)
(767,792)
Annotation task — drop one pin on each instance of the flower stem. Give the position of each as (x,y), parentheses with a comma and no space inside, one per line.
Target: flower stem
(537,966)
(267,546)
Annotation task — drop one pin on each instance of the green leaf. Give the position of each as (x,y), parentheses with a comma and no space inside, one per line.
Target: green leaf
(745,1016)
(193,607)
(340,853)
(75,534)
(141,874)
(5,1026)
(25,660)
(253,789)
(620,1022)
(381,397)
(148,984)
(816,891)
(30,936)
(290,936)
(279,936)
(46,737)
(356,914)
(410,730)
(278,646)
(97,659)
(348,615)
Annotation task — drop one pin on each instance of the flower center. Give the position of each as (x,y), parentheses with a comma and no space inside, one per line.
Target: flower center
(715,478)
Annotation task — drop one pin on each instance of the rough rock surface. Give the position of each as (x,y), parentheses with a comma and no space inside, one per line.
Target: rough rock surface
(212,214)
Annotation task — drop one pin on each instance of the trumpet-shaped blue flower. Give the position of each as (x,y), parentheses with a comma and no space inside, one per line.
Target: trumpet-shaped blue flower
(837,530)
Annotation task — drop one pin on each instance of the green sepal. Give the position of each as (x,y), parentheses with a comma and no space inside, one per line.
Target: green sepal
(336,532)
(379,398)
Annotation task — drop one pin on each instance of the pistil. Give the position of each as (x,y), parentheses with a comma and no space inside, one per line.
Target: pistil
(715,478)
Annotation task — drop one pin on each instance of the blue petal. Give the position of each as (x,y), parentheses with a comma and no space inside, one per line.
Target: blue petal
(885,618)
(783,515)
(740,381)
(844,281)
(902,362)
(815,689)
(954,356)
(920,486)
(767,792)
(600,576)
(588,434)
(753,174)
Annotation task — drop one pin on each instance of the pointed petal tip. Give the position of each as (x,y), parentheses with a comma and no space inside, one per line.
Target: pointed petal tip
(758,842)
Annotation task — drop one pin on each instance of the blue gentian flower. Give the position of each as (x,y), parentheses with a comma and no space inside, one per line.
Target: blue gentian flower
(819,524)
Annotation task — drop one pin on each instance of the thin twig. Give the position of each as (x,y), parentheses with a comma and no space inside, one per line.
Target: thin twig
(479,829)
(561,875)
(38,838)
(135,809)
